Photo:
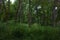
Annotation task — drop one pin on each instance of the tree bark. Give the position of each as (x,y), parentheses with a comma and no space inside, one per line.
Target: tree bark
(30,14)
(54,13)
(18,15)
(6,10)
(0,7)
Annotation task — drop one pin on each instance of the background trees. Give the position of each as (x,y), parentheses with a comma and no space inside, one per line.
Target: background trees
(43,12)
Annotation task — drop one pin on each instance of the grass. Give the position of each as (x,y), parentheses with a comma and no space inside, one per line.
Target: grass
(21,31)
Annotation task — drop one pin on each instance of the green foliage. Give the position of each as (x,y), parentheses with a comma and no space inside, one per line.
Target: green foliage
(20,31)
(12,30)
(41,15)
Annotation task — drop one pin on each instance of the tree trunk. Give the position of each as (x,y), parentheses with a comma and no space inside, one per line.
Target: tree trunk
(18,15)
(6,10)
(0,5)
(29,14)
(54,13)
(0,8)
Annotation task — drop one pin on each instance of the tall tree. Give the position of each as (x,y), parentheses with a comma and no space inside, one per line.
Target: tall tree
(0,5)
(54,12)
(18,15)
(0,8)
(6,10)
(30,13)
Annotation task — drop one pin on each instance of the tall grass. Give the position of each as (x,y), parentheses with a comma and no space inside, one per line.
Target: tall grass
(21,31)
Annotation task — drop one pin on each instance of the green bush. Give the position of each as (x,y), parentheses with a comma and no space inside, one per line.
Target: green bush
(20,31)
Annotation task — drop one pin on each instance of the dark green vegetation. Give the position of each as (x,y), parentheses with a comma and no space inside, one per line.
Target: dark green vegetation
(30,20)
(12,31)
(43,12)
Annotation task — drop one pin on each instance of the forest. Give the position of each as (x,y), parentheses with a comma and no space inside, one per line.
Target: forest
(29,19)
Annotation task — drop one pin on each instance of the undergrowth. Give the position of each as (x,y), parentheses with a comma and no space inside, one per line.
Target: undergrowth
(21,31)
